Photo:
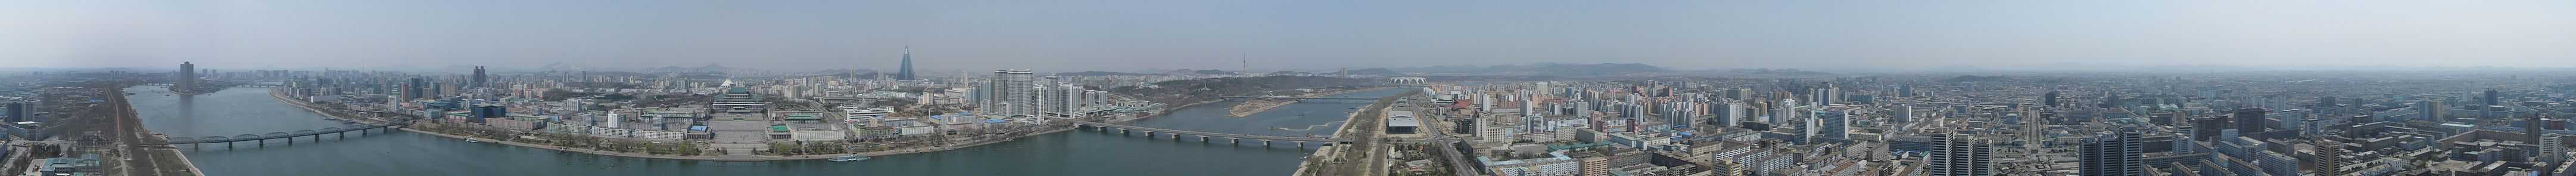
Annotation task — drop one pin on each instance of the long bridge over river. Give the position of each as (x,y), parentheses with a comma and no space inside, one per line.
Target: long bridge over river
(1150,132)
(289,137)
(1297,98)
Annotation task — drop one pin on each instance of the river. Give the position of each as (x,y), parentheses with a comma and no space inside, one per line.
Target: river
(250,111)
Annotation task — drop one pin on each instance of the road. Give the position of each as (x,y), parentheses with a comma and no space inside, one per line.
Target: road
(128,129)
(1449,150)
(1433,127)
(1364,155)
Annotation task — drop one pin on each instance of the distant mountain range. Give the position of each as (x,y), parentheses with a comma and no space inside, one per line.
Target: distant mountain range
(1975,78)
(1103,73)
(1200,72)
(707,68)
(1551,69)
(1368,72)
(1767,72)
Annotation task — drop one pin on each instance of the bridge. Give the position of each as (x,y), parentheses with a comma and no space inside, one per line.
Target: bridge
(262,139)
(231,85)
(1287,97)
(1203,136)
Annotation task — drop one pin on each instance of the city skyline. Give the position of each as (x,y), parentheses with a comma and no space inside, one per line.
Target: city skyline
(1306,88)
(1294,35)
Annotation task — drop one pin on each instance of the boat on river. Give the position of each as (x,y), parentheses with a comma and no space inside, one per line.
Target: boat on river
(473,140)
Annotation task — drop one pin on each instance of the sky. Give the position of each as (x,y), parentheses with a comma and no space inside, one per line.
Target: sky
(968,35)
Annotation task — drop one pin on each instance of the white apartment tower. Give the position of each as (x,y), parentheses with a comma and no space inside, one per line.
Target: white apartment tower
(1009,92)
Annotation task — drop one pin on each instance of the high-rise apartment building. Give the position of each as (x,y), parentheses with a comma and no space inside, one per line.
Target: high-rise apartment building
(415,88)
(479,80)
(1727,114)
(187,77)
(1832,124)
(2049,100)
(2208,128)
(2112,153)
(2553,148)
(1051,96)
(18,112)
(2490,98)
(2249,121)
(1782,112)
(1955,154)
(975,95)
(1011,92)
(2430,109)
(1825,96)
(2331,154)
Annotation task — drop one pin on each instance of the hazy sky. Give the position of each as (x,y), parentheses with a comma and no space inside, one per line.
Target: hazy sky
(1303,34)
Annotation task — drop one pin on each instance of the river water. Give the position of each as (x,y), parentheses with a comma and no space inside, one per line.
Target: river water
(250,111)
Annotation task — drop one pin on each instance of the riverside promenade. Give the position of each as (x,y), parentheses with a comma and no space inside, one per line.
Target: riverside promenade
(290,101)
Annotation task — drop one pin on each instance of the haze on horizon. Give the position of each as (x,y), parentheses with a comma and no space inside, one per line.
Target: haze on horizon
(1281,35)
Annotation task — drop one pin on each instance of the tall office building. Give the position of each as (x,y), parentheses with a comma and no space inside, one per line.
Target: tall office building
(478,78)
(18,112)
(414,89)
(2049,100)
(437,89)
(2531,129)
(1533,123)
(2249,121)
(486,111)
(975,95)
(1727,114)
(1782,112)
(1832,123)
(2332,152)
(1806,131)
(2490,98)
(1738,94)
(905,73)
(2431,110)
(2207,128)
(1904,91)
(187,77)
(1956,154)
(1904,114)
(2113,153)
(1825,96)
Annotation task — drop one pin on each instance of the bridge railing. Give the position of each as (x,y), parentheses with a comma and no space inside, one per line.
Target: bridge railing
(1203,133)
(271,135)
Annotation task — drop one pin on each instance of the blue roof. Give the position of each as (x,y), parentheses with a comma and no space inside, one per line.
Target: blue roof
(698,128)
(995,121)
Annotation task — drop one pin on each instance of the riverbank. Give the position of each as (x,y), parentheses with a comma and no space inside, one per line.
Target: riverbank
(730,158)
(1247,108)
(1338,159)
(129,128)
